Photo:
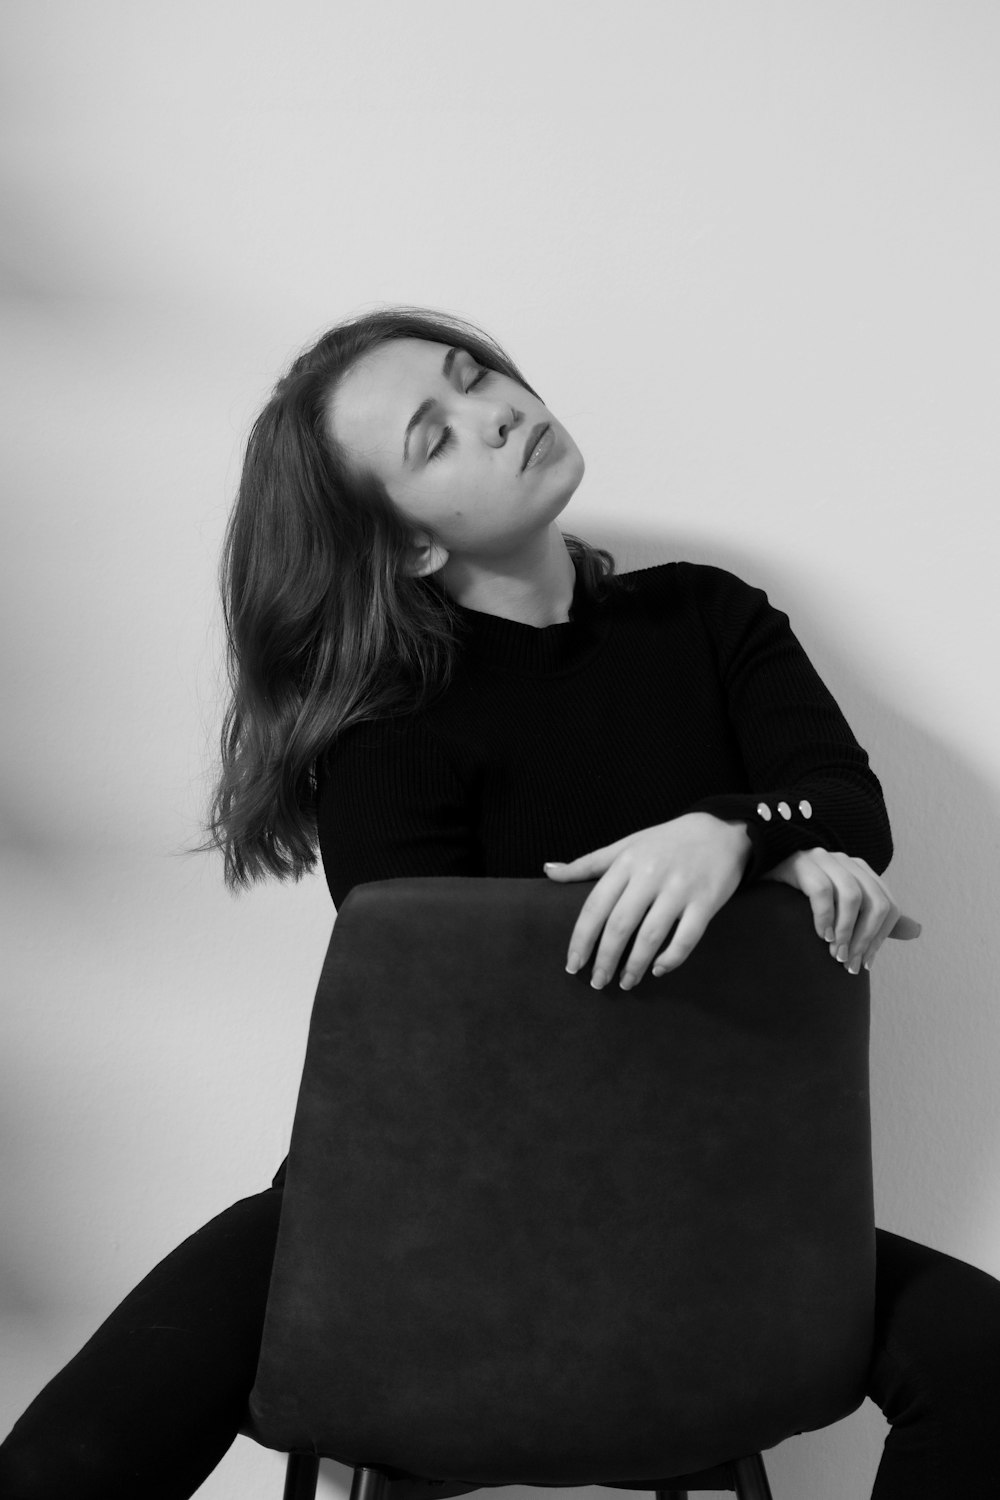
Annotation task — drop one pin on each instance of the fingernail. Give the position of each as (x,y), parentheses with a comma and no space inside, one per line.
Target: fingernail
(598,979)
(842,952)
(854,966)
(573,964)
(829,935)
(868,964)
(626,982)
(658,973)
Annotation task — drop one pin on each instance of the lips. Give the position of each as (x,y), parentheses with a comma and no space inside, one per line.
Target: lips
(533,439)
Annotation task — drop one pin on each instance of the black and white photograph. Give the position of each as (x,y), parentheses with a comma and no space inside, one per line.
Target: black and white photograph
(500,823)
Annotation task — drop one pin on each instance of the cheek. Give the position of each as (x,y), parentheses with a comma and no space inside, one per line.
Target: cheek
(411,500)
(432,504)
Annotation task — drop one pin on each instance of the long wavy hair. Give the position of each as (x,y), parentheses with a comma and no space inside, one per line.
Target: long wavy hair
(324,626)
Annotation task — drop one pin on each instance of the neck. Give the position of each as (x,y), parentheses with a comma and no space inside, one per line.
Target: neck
(533,586)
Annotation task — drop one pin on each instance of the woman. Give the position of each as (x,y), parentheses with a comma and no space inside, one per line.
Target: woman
(429,678)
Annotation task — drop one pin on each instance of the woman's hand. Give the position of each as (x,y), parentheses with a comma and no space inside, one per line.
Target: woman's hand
(852,908)
(674,876)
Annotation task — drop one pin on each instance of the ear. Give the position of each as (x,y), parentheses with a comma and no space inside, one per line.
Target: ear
(425,557)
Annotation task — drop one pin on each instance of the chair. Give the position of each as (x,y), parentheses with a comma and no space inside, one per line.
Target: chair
(537,1233)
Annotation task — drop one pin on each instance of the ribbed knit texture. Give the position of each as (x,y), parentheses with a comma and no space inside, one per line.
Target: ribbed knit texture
(683,690)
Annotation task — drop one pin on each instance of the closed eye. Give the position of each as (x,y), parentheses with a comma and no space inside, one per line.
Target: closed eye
(439,448)
(447,436)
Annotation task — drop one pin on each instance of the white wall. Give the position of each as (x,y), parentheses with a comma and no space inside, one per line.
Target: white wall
(746,249)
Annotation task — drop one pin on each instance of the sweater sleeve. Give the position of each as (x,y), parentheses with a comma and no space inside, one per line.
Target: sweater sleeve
(811,781)
(390,806)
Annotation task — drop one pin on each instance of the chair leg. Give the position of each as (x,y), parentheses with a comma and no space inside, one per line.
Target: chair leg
(301,1474)
(751,1478)
(369,1484)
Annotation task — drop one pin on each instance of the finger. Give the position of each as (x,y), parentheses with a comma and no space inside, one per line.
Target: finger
(813,880)
(862,901)
(877,913)
(653,930)
(586,867)
(876,941)
(623,920)
(592,916)
(820,890)
(849,897)
(903,927)
(687,934)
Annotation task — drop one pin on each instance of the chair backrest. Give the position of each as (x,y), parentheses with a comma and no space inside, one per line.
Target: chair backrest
(539,1233)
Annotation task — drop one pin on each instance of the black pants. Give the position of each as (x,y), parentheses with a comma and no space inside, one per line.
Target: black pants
(151,1403)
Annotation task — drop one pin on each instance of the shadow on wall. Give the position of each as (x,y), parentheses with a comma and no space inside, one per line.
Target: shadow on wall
(935,1022)
(935,1028)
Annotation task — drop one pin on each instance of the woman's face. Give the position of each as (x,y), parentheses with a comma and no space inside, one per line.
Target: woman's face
(467,455)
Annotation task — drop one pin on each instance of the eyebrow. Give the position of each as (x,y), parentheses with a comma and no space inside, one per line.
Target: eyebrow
(425,406)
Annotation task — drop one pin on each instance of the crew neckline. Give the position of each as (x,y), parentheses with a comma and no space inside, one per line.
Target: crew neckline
(514,645)
(579,597)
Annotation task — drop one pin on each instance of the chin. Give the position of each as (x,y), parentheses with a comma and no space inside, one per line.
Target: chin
(575,466)
(560,501)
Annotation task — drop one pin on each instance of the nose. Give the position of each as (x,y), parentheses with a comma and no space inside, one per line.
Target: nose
(499,420)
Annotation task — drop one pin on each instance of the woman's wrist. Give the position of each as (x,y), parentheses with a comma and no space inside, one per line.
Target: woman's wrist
(742,843)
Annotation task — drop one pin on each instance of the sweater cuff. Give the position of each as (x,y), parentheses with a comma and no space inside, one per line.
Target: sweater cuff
(778,824)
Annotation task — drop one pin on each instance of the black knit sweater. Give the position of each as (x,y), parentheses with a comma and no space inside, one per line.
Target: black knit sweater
(682,690)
